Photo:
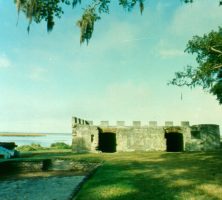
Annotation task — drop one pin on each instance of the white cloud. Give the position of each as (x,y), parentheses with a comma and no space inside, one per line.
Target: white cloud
(196,19)
(115,36)
(170,53)
(128,95)
(167,49)
(4,61)
(131,101)
(188,20)
(202,107)
(136,39)
(120,101)
(162,6)
(38,74)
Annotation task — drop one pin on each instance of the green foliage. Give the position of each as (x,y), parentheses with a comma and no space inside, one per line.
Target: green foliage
(47,10)
(38,147)
(60,145)
(208,73)
(86,24)
(129,5)
(32,147)
(217,88)
(38,10)
(191,1)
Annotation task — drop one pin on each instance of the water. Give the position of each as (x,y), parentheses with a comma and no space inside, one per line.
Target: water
(44,141)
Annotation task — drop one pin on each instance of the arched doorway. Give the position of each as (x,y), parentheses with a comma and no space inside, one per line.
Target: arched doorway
(174,142)
(107,142)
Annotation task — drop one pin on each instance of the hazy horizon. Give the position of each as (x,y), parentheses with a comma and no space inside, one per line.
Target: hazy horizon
(122,74)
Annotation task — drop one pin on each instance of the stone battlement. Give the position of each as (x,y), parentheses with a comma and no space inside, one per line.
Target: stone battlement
(79,121)
(147,137)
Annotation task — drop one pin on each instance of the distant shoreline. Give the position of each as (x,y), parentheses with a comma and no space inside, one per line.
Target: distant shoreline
(22,134)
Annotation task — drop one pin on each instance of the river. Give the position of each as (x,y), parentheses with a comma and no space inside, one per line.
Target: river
(44,141)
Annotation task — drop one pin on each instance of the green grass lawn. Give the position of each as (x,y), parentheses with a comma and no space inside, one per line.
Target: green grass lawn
(145,176)
(131,176)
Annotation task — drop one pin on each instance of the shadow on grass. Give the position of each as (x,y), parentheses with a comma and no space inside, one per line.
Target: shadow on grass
(156,176)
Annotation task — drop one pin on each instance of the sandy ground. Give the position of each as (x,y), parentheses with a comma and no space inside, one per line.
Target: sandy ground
(40,188)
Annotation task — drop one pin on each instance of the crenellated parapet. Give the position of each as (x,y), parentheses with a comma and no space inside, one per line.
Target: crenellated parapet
(138,136)
(79,121)
(105,123)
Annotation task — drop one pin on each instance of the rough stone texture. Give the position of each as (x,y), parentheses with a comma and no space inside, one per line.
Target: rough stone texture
(104,123)
(168,123)
(85,138)
(209,138)
(145,138)
(136,123)
(185,123)
(50,188)
(140,139)
(152,123)
(72,166)
(120,123)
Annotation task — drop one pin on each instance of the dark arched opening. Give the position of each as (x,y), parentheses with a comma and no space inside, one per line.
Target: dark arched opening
(174,142)
(107,142)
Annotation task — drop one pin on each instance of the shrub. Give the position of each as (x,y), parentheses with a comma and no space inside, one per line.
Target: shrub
(32,147)
(60,145)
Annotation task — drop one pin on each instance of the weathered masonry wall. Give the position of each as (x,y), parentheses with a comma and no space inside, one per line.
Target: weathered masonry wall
(204,137)
(121,138)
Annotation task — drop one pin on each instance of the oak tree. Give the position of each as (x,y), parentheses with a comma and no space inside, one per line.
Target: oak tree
(208,72)
(48,10)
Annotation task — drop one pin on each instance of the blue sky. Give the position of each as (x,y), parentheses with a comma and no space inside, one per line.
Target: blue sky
(122,74)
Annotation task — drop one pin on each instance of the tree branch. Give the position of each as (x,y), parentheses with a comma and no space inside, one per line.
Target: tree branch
(216,50)
(217,66)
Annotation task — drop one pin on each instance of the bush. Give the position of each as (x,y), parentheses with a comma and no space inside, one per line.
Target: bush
(60,145)
(38,147)
(32,147)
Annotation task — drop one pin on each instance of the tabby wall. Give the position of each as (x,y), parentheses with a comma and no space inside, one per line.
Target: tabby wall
(204,137)
(151,137)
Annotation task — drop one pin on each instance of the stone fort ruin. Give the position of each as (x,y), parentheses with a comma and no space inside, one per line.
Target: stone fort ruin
(121,138)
